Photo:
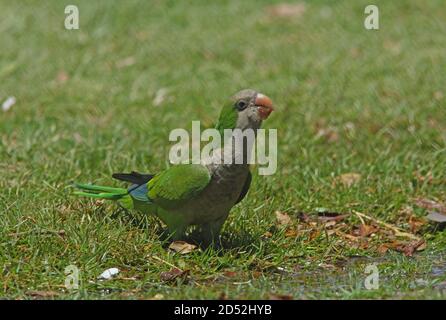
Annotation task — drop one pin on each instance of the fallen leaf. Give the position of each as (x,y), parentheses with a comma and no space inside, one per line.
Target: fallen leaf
(291,233)
(366,230)
(182,247)
(108,274)
(349,179)
(314,234)
(438,213)
(283,218)
(173,274)
(407,248)
(348,236)
(431,205)
(274,296)
(287,10)
(331,216)
(8,103)
(330,223)
(382,249)
(267,234)
(416,223)
(42,294)
(302,216)
(230,274)
(157,296)
(410,248)
(422,246)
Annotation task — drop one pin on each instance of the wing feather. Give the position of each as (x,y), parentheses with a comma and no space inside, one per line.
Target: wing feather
(171,188)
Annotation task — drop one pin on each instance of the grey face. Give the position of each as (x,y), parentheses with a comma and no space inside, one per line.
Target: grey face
(252,108)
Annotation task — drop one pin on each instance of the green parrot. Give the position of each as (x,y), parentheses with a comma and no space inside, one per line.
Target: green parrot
(196,194)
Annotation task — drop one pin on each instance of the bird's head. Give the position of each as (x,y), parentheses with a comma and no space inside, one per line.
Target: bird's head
(245,110)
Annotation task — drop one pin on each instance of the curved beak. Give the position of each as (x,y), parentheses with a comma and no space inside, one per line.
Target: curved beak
(264,106)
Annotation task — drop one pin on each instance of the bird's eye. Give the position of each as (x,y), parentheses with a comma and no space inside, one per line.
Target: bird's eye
(241,105)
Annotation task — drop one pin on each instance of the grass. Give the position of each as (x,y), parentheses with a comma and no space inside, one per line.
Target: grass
(85,110)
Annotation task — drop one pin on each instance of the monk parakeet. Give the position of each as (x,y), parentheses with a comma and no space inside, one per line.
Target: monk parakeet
(195,194)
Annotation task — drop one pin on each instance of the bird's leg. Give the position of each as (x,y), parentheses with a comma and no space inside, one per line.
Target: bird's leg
(210,233)
(176,232)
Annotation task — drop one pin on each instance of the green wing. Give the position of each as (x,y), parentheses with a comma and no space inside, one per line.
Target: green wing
(171,188)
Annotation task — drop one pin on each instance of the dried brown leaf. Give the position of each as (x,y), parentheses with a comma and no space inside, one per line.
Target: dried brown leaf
(331,216)
(267,234)
(330,223)
(367,230)
(173,274)
(274,296)
(408,248)
(348,179)
(431,205)
(42,293)
(314,234)
(230,274)
(302,216)
(348,236)
(417,223)
(382,249)
(422,246)
(182,247)
(282,218)
(291,233)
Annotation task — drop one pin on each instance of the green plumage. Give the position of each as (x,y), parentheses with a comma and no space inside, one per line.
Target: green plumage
(178,184)
(107,193)
(100,192)
(227,119)
(168,189)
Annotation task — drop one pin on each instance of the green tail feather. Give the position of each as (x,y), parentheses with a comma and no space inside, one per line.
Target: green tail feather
(100,192)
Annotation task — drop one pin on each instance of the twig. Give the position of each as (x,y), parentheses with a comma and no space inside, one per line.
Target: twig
(398,232)
(168,263)
(360,218)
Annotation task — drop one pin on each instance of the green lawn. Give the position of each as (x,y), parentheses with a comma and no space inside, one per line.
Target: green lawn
(348,100)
